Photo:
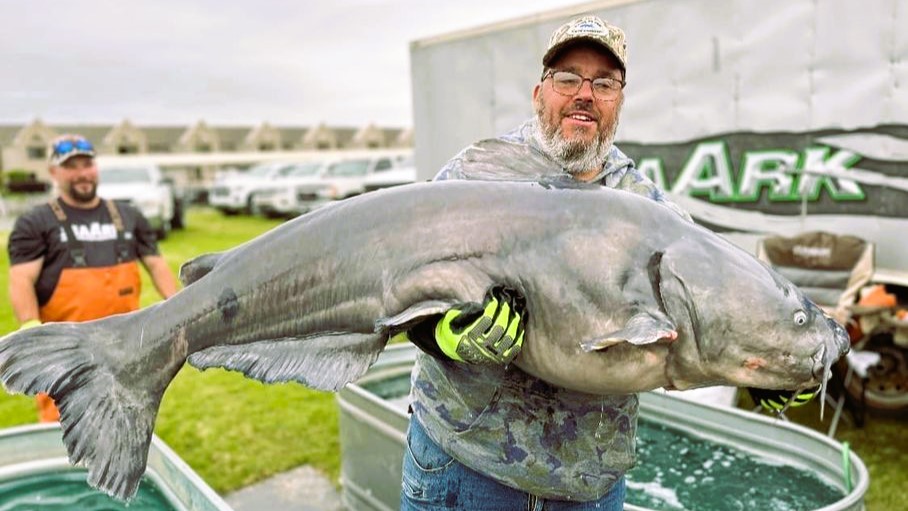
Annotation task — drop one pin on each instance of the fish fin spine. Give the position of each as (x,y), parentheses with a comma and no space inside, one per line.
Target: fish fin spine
(198,267)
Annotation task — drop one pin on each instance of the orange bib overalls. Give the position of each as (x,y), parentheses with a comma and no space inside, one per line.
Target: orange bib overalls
(84,293)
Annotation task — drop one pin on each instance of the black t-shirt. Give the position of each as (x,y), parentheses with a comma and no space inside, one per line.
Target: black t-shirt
(38,233)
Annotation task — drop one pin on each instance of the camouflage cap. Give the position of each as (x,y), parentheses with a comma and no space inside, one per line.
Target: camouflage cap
(588,28)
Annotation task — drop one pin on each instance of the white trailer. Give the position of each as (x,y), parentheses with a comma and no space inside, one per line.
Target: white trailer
(759,116)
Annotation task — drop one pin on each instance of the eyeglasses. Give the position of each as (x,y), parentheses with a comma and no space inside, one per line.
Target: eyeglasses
(568,84)
(64,147)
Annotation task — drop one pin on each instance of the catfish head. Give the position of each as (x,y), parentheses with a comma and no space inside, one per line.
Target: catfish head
(739,322)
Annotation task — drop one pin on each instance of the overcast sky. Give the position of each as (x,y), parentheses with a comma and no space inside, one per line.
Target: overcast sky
(288,62)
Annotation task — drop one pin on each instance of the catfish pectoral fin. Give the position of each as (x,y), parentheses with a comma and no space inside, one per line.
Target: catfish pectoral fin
(326,362)
(600,343)
(413,315)
(642,328)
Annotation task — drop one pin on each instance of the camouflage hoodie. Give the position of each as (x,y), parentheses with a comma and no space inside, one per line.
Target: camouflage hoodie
(521,431)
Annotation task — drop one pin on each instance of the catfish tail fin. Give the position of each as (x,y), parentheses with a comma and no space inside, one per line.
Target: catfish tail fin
(107,421)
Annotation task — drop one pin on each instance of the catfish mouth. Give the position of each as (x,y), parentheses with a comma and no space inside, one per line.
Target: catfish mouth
(821,363)
(837,345)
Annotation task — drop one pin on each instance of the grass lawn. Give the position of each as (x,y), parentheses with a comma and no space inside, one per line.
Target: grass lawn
(234,431)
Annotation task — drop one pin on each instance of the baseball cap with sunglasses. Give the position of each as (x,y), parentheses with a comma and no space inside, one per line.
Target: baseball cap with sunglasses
(67,146)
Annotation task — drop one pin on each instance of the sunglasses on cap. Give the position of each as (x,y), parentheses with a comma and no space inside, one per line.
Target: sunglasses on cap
(64,147)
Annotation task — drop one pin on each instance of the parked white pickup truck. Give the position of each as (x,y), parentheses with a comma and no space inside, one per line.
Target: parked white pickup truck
(145,187)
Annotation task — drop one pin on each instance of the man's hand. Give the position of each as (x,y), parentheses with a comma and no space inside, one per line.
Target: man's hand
(488,334)
(778,400)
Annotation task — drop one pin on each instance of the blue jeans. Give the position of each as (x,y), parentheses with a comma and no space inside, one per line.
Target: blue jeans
(434,481)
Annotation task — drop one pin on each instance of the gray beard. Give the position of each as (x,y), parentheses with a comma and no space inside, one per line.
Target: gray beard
(574,156)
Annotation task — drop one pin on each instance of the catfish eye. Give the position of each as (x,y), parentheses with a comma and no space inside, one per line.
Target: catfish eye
(800,318)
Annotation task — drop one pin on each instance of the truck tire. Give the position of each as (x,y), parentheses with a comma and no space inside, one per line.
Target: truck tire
(251,208)
(164,231)
(179,215)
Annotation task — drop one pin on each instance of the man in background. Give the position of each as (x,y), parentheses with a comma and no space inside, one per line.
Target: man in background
(76,257)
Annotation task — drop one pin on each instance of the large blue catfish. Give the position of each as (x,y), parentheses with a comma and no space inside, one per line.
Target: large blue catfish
(622,295)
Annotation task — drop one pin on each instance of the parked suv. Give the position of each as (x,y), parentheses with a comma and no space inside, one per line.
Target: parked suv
(236,194)
(145,187)
(279,199)
(342,179)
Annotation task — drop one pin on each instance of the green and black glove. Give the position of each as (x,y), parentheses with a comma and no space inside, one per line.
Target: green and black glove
(491,334)
(778,400)
(487,333)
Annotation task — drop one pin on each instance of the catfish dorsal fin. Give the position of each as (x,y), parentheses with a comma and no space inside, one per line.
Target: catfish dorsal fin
(196,268)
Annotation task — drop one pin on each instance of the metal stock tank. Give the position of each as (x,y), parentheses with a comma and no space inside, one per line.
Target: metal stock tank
(706,452)
(35,474)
